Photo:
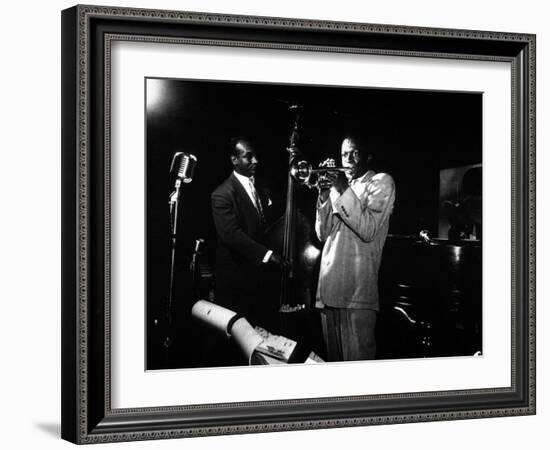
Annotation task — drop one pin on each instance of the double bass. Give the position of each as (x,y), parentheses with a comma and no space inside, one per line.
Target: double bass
(294,235)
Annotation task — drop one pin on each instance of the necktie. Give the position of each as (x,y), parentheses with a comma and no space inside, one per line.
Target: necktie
(257,202)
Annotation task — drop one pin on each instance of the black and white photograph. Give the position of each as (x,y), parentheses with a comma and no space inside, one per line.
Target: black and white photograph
(308,224)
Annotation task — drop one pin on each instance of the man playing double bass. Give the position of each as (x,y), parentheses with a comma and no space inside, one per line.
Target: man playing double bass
(352,220)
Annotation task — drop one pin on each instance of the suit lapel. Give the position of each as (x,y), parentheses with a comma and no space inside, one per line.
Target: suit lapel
(243,197)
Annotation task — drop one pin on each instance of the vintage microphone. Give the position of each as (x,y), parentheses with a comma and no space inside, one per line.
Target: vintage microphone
(183,168)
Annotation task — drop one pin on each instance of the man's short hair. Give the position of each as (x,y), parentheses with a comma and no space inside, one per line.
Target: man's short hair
(235,141)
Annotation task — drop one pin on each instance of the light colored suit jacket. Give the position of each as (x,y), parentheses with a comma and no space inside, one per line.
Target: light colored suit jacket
(353,227)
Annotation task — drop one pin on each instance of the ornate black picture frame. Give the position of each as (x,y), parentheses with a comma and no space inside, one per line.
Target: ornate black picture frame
(87,35)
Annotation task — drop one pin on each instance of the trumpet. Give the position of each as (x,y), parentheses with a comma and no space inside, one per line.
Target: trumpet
(305,174)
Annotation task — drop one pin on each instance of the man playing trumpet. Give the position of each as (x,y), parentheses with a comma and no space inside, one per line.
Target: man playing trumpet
(353,210)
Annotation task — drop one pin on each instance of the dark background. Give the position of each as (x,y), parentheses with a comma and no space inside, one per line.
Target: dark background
(414,134)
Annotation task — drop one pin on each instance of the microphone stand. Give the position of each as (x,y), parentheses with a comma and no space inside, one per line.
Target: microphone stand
(174,206)
(195,269)
(183,164)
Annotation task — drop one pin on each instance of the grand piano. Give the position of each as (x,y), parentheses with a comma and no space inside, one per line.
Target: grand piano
(431,298)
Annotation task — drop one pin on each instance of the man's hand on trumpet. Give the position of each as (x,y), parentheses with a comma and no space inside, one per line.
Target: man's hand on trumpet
(324,184)
(336,179)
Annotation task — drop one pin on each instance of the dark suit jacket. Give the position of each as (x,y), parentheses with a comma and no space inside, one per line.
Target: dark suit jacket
(239,269)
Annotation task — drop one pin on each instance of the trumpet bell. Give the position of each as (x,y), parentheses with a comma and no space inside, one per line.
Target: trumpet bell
(301,171)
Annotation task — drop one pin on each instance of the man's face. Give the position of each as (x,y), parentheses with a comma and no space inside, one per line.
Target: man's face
(352,159)
(246,161)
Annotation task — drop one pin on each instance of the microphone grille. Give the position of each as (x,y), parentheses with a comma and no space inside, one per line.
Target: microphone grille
(184,164)
(187,167)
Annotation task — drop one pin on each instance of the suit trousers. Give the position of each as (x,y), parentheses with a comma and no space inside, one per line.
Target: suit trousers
(349,333)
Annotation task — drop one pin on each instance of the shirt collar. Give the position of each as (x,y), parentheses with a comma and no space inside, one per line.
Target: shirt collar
(245,181)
